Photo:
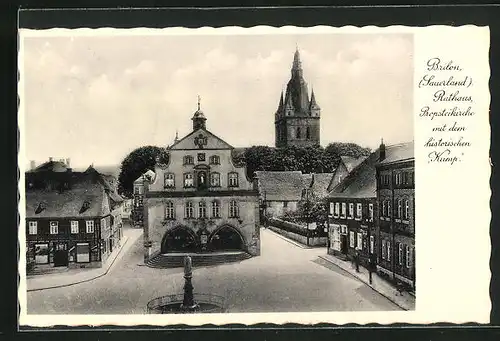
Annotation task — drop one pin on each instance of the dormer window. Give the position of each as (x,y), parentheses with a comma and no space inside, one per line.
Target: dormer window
(188,160)
(85,206)
(41,206)
(233,180)
(214,160)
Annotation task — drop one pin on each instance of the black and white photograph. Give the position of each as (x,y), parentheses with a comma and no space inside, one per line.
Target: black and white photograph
(189,173)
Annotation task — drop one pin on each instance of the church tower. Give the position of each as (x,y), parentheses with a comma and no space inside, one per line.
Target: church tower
(297,120)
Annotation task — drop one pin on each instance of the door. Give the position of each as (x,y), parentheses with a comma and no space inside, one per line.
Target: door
(61,254)
(343,243)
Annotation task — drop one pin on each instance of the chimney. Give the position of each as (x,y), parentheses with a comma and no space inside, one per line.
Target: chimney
(51,159)
(382,150)
(68,162)
(32,164)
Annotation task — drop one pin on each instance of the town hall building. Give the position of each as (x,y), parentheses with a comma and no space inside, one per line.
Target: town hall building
(200,200)
(297,119)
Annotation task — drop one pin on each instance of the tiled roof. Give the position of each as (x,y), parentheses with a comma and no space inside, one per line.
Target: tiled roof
(281,186)
(351,162)
(51,166)
(399,152)
(360,182)
(68,203)
(320,183)
(307,179)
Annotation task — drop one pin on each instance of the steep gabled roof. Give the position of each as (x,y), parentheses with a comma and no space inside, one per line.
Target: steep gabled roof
(399,152)
(280,186)
(351,162)
(320,182)
(51,166)
(68,203)
(361,182)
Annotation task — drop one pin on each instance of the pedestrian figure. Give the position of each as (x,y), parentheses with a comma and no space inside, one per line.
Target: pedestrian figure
(356,260)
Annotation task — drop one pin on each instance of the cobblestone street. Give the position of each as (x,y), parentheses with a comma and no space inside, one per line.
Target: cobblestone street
(285,278)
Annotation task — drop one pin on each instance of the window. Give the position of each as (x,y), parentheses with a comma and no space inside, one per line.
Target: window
(169,210)
(214,179)
(359,208)
(41,253)
(215,160)
(233,209)
(343,209)
(370,211)
(103,224)
(215,209)
(337,209)
(384,208)
(298,133)
(308,133)
(343,229)
(408,256)
(351,210)
(398,178)
(169,180)
(400,209)
(189,210)
(372,243)
(400,253)
(188,160)
(332,206)
(136,190)
(233,179)
(202,209)
(407,209)
(201,157)
(351,238)
(384,249)
(82,253)
(285,204)
(75,227)
(389,251)
(54,227)
(359,245)
(90,226)
(32,227)
(188,180)
(405,178)
(389,212)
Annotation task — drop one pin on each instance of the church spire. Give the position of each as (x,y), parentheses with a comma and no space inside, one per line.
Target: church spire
(280,105)
(297,64)
(313,104)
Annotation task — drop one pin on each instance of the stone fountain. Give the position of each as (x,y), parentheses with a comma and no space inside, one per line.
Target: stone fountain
(188,302)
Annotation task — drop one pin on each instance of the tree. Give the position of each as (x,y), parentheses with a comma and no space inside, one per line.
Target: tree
(137,163)
(347,149)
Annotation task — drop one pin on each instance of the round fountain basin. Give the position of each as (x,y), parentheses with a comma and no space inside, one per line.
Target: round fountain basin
(172,304)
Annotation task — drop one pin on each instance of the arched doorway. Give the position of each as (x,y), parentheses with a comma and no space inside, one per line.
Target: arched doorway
(226,238)
(179,239)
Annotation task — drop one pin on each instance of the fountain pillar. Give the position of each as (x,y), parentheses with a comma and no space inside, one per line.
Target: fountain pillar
(188,303)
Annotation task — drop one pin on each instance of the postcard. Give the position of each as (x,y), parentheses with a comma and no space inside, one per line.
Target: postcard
(243,175)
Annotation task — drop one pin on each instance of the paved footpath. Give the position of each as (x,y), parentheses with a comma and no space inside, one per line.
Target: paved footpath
(77,276)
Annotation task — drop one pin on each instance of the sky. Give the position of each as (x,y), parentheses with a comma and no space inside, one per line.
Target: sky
(96,98)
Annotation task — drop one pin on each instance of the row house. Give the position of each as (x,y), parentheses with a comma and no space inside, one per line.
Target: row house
(396,220)
(352,211)
(200,200)
(72,219)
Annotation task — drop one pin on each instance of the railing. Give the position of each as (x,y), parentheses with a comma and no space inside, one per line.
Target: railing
(160,304)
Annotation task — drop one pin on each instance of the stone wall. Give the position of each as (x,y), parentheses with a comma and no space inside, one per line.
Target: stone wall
(313,241)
